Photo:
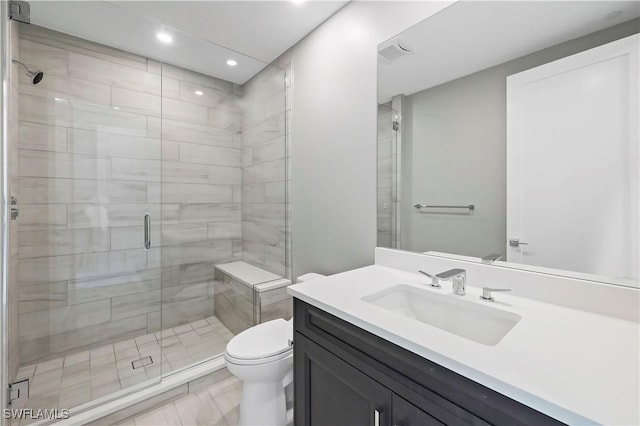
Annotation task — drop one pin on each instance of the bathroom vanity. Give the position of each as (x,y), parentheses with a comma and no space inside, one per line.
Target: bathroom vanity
(347,376)
(369,349)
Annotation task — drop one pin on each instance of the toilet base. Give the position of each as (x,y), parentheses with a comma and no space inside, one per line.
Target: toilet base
(263,404)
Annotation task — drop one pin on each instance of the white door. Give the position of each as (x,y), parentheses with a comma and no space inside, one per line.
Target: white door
(572,162)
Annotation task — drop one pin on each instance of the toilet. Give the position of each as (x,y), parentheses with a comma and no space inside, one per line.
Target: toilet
(262,358)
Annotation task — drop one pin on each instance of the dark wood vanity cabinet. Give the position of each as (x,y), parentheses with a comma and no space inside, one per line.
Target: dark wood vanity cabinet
(338,393)
(345,376)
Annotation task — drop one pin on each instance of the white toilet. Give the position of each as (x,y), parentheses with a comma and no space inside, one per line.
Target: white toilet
(262,358)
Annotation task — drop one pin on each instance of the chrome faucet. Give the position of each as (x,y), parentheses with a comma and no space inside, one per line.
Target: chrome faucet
(458,279)
(435,283)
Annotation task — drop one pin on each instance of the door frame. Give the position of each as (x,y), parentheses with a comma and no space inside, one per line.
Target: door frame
(4,140)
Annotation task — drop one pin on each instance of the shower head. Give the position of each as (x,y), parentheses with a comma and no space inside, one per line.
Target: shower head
(36,76)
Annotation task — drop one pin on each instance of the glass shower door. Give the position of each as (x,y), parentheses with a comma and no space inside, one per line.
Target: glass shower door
(87,149)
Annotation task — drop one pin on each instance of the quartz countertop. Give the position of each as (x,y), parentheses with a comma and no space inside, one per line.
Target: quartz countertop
(575,366)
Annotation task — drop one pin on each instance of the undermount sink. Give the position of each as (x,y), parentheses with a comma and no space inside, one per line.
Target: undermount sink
(482,324)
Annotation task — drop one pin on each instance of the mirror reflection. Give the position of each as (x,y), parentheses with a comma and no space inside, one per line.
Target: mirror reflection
(509,130)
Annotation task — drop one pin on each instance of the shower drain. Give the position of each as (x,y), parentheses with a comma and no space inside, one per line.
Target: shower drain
(142,362)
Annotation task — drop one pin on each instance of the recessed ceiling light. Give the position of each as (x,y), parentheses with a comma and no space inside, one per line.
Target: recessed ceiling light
(231,63)
(297,1)
(199,92)
(164,37)
(115,107)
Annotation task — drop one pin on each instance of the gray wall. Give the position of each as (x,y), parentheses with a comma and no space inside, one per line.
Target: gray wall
(458,138)
(333,145)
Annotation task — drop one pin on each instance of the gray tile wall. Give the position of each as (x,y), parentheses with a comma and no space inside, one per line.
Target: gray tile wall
(264,177)
(108,136)
(201,190)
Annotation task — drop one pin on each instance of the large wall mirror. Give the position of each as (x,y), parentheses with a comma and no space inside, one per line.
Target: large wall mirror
(511,128)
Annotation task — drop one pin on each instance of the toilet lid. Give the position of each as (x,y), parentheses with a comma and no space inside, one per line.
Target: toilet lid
(262,341)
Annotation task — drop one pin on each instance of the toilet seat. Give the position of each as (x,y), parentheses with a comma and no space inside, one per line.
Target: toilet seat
(257,361)
(261,344)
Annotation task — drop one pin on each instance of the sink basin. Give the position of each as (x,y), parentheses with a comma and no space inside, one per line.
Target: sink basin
(482,324)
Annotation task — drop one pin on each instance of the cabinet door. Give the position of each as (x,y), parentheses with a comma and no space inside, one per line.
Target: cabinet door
(331,392)
(407,414)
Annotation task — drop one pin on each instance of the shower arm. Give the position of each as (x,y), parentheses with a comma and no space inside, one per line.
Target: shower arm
(26,68)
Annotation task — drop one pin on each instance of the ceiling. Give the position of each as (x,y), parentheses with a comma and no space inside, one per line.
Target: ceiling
(205,33)
(260,29)
(470,36)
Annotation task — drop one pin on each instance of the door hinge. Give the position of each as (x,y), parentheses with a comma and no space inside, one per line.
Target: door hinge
(20,11)
(18,393)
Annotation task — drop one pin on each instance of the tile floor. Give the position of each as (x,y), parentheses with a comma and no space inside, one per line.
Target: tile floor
(216,405)
(82,377)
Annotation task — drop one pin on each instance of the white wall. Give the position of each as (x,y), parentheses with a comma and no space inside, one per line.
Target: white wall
(333,131)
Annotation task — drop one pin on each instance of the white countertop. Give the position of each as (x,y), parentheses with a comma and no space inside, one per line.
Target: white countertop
(578,367)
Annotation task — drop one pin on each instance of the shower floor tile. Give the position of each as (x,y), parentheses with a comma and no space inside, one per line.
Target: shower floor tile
(84,376)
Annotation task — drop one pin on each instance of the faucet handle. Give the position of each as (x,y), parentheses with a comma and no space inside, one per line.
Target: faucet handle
(491,258)
(486,293)
(435,283)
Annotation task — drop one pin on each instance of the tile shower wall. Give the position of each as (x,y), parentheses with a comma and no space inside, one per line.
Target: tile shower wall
(264,152)
(201,190)
(92,150)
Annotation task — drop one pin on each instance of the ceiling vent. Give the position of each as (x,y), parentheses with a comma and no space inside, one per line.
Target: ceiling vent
(394,50)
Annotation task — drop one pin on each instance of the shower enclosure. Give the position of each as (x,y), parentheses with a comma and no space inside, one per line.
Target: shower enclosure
(388,163)
(132,170)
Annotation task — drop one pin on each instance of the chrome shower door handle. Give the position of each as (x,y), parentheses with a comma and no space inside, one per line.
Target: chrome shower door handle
(147,231)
